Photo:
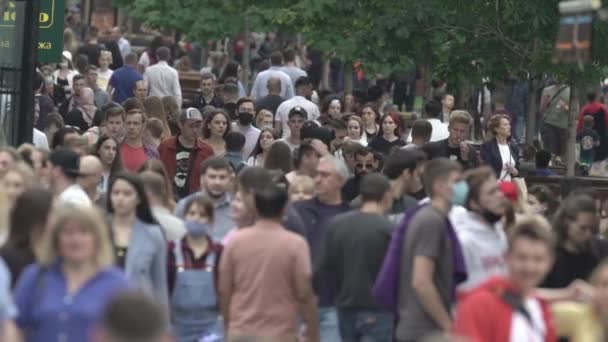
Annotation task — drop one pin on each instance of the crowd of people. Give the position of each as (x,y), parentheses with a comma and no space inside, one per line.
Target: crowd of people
(141,215)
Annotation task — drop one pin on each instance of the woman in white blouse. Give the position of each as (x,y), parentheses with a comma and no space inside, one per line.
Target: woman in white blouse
(500,152)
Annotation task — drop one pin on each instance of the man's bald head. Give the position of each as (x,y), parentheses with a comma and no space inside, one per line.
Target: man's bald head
(91,171)
(90,164)
(274,85)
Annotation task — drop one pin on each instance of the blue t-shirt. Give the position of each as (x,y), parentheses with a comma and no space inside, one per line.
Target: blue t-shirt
(48,312)
(589,140)
(123,81)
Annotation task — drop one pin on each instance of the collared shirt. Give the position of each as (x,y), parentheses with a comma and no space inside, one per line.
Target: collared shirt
(222,218)
(294,73)
(49,312)
(283,111)
(74,195)
(440,131)
(124,46)
(251,137)
(201,103)
(40,140)
(163,81)
(8,311)
(260,89)
(190,261)
(123,81)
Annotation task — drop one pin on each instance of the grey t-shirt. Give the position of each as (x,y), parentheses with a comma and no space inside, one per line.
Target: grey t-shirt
(426,236)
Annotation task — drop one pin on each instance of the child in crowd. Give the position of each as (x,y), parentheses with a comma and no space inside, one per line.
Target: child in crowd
(588,140)
(301,188)
(192,274)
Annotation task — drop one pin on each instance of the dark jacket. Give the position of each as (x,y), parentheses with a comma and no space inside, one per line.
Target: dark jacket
(200,103)
(201,151)
(490,155)
(439,149)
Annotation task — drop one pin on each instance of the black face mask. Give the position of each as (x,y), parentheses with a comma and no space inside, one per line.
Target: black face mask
(245,119)
(490,217)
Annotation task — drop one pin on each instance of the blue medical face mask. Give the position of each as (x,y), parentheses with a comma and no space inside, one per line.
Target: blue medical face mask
(460,192)
(197,229)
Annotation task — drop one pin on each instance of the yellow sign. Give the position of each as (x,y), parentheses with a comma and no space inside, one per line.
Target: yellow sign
(46,18)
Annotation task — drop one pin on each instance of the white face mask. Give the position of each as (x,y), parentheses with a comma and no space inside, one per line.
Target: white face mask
(63,65)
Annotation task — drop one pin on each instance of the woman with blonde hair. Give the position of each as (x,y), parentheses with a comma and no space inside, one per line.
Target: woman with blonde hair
(70,43)
(155,109)
(64,293)
(172,113)
(17,178)
(264,119)
(105,73)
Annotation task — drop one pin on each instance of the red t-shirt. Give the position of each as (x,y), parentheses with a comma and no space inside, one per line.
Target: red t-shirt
(132,157)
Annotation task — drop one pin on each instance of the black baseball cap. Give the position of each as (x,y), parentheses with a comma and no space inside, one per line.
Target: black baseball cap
(67,160)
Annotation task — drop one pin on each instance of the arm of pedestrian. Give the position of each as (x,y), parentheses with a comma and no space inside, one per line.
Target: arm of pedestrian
(428,295)
(305,293)
(578,290)
(10,332)
(225,287)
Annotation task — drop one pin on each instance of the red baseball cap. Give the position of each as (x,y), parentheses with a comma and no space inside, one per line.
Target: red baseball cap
(509,189)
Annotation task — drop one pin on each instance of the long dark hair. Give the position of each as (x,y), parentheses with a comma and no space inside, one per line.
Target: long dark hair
(30,213)
(231,70)
(258,148)
(117,163)
(207,131)
(396,120)
(142,211)
(568,211)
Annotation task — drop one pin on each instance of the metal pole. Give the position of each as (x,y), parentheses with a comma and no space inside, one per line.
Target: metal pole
(25,113)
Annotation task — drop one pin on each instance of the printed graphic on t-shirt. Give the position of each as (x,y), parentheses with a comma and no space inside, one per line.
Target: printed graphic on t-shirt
(181,171)
(587,143)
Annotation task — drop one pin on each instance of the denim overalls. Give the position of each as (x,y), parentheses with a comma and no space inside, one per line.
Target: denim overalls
(194,308)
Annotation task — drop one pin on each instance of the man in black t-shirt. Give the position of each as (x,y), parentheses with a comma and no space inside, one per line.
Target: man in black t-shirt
(271,101)
(353,250)
(455,147)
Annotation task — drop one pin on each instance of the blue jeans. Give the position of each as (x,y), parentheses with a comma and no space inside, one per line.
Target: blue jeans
(328,324)
(366,325)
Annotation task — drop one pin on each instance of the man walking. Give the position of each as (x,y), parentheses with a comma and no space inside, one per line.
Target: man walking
(183,154)
(353,250)
(331,176)
(262,289)
(162,79)
(430,256)
(260,89)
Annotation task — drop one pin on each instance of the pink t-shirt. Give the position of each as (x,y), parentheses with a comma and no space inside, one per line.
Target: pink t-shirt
(132,157)
(262,264)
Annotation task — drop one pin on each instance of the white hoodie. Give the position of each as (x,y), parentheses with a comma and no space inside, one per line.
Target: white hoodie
(483,246)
